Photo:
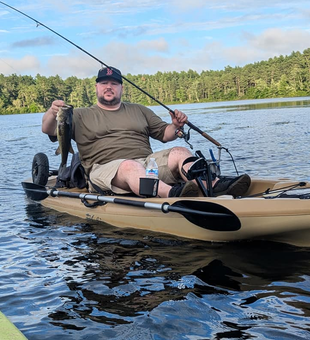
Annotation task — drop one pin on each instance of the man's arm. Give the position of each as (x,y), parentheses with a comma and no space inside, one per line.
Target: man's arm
(49,122)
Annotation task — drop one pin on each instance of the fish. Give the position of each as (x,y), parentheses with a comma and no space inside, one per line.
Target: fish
(64,135)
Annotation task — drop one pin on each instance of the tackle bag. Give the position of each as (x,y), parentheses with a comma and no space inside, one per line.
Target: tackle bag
(73,176)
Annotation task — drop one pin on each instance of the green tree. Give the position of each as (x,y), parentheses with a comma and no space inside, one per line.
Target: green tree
(281,76)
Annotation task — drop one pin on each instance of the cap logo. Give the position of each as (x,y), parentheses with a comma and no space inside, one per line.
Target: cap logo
(109,72)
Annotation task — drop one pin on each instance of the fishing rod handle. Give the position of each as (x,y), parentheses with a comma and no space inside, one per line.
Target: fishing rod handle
(204,134)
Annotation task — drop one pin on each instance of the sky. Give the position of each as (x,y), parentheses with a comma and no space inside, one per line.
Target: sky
(147,36)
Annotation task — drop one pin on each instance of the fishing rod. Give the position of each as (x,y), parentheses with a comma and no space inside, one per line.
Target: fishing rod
(192,126)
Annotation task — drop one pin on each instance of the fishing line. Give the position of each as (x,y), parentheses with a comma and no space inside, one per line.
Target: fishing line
(38,23)
(192,126)
(16,71)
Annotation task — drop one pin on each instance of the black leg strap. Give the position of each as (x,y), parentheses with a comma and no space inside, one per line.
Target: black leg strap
(199,171)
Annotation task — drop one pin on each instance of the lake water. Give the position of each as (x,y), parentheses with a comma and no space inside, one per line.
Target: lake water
(66,278)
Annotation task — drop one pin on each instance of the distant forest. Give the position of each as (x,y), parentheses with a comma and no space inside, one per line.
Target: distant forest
(283,76)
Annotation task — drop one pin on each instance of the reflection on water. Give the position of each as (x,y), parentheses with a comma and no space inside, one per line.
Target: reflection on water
(239,105)
(93,279)
(67,278)
(266,104)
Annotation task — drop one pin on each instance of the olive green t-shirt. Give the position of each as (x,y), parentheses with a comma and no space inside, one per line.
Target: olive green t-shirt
(103,136)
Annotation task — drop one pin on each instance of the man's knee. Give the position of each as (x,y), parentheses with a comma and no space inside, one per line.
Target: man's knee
(129,165)
(180,152)
(127,170)
(176,158)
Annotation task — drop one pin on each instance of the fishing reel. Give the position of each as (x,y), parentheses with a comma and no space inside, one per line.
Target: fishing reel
(185,135)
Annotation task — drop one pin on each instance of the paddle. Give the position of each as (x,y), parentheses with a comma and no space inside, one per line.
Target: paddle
(207,215)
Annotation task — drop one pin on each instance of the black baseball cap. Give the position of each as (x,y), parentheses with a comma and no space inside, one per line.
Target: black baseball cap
(109,73)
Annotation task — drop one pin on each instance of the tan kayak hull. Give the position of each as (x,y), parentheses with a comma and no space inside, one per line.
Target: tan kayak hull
(283,220)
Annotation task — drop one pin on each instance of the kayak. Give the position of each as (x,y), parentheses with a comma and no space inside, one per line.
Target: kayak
(8,330)
(269,211)
(273,209)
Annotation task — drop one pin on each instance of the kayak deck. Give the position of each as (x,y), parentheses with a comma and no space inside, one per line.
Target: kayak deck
(276,219)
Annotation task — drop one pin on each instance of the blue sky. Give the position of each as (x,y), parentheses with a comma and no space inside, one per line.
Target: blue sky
(147,36)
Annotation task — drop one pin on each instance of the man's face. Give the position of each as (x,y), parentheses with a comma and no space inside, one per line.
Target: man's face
(109,92)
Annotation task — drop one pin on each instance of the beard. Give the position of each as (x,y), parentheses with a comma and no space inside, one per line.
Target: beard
(112,102)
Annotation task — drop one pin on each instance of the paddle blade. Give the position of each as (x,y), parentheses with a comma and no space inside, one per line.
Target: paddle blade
(35,192)
(213,216)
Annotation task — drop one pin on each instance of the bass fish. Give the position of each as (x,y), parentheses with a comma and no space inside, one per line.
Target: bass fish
(64,135)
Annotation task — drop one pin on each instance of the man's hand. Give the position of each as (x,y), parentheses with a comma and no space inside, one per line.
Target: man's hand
(56,105)
(49,122)
(178,118)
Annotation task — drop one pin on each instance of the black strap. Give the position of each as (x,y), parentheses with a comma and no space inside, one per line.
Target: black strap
(92,205)
(188,160)
(99,190)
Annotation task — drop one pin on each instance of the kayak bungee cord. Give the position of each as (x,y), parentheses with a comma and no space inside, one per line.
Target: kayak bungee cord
(180,133)
(280,191)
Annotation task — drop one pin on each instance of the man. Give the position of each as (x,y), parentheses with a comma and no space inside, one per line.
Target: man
(113,142)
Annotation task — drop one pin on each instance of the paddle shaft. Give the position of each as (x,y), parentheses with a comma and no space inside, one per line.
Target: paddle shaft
(205,135)
(207,215)
(164,207)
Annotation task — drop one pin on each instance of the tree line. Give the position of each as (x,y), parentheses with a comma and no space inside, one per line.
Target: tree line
(283,76)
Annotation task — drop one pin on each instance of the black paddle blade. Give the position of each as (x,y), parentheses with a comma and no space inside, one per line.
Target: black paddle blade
(213,216)
(35,192)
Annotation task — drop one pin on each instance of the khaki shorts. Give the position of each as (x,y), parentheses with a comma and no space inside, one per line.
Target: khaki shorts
(102,175)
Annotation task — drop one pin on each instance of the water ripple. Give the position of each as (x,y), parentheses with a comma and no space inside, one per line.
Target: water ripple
(66,278)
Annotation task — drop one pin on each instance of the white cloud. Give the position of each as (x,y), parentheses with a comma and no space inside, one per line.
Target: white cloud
(228,5)
(279,41)
(152,56)
(76,64)
(142,57)
(26,65)
(136,60)
(270,43)
(3,13)
(159,45)
(175,36)
(184,5)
